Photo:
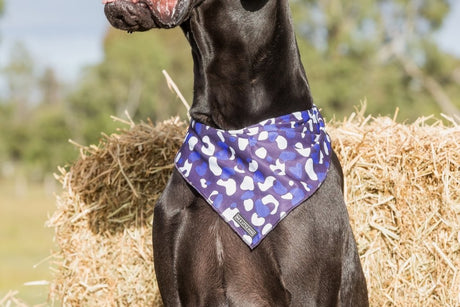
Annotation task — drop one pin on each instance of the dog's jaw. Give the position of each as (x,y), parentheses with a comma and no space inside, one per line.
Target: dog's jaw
(143,15)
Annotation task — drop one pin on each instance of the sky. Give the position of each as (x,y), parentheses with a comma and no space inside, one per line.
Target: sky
(66,35)
(63,34)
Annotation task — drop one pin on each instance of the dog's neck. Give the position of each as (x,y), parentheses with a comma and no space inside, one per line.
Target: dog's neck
(246,63)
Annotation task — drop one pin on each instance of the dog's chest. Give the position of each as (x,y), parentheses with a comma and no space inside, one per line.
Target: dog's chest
(255,176)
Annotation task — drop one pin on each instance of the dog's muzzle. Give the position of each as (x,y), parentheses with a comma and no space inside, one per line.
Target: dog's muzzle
(143,15)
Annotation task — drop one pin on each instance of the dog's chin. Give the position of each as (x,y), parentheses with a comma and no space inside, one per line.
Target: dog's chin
(143,15)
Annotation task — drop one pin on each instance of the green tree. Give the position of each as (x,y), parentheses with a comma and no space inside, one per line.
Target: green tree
(33,118)
(20,76)
(15,110)
(380,49)
(130,78)
(51,88)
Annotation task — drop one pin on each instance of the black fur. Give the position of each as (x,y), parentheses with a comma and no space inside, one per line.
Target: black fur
(247,68)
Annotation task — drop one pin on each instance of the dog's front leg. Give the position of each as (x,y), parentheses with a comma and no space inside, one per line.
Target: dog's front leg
(166,233)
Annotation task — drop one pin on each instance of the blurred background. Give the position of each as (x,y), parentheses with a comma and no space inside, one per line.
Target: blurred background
(64,72)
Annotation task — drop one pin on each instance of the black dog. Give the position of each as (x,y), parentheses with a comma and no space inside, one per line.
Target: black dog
(247,69)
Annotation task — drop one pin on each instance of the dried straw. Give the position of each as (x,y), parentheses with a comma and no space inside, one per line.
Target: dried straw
(103,219)
(403,196)
(10,299)
(402,189)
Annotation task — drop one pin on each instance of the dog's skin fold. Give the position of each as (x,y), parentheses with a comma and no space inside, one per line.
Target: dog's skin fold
(247,68)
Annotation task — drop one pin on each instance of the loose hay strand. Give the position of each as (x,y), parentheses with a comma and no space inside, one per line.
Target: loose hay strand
(402,190)
(172,86)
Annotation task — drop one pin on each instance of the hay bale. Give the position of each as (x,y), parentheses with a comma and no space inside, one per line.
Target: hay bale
(403,196)
(402,190)
(103,219)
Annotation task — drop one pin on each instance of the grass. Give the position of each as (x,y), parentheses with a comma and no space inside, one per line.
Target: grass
(25,242)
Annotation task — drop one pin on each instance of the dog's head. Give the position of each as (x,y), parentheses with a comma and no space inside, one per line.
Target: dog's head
(143,15)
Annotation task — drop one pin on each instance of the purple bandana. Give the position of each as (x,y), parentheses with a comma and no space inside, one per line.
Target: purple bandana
(253,177)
